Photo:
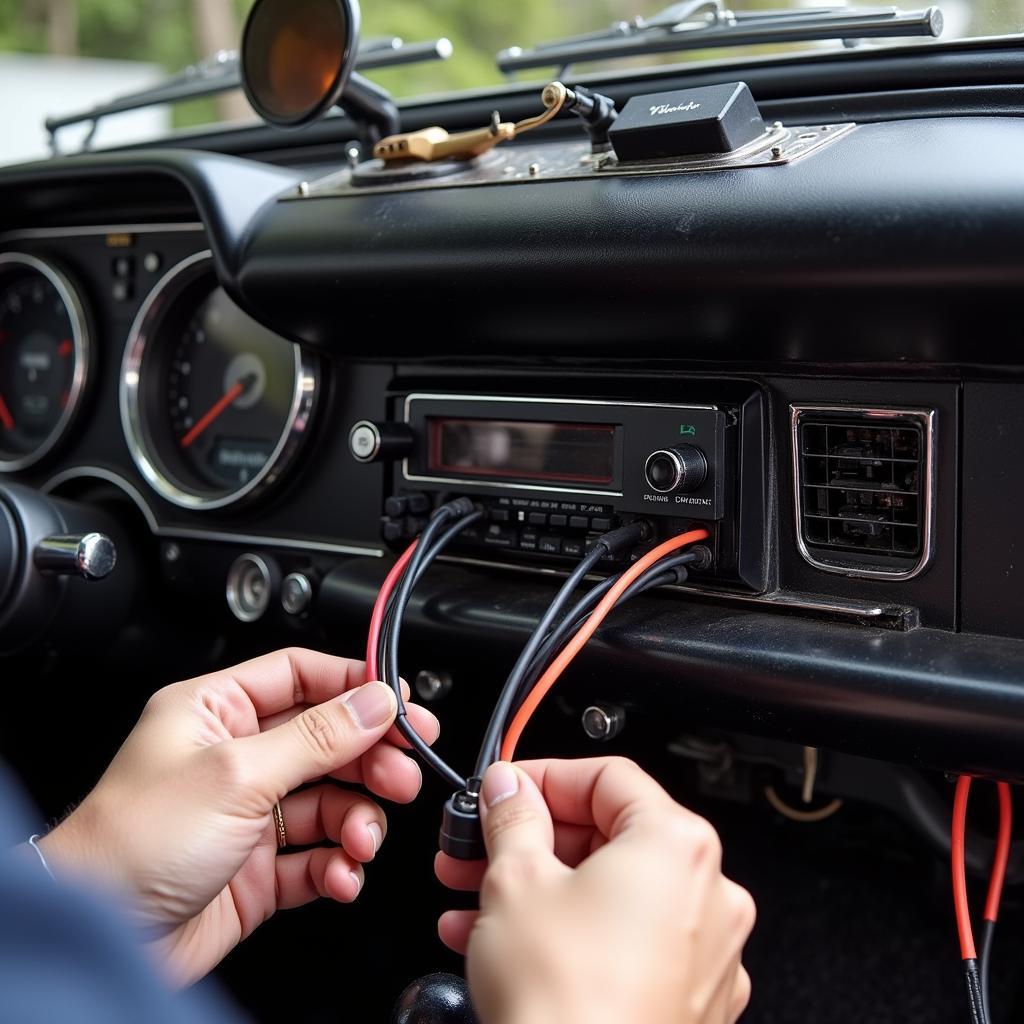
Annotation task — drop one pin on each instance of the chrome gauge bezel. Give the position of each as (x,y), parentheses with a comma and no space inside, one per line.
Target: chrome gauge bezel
(81,341)
(163,480)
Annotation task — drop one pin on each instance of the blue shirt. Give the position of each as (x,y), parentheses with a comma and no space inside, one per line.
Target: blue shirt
(67,958)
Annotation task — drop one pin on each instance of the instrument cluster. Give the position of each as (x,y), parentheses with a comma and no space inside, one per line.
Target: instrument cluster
(214,408)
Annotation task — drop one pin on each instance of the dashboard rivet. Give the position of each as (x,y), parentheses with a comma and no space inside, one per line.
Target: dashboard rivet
(303,188)
(776,152)
(534,170)
(152,262)
(431,686)
(171,553)
(296,593)
(603,722)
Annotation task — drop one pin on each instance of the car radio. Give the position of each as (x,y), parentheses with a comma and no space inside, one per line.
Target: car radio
(552,474)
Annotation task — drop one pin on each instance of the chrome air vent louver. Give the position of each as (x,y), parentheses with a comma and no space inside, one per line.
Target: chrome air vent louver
(864,489)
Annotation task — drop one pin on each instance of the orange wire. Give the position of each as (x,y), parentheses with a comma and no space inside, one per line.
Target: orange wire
(571,649)
(1002,854)
(960,904)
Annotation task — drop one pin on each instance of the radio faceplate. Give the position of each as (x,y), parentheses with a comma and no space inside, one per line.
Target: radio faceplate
(577,449)
(553,474)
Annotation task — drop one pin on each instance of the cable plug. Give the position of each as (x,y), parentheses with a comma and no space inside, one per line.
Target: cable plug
(703,558)
(618,543)
(462,835)
(598,114)
(457,508)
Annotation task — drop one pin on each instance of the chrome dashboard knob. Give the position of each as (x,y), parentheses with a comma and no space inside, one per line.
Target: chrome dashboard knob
(379,442)
(91,556)
(679,468)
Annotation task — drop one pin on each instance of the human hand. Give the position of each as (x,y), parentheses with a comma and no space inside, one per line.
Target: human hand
(182,819)
(603,901)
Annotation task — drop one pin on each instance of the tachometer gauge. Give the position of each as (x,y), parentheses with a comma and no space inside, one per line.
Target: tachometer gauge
(44,358)
(214,405)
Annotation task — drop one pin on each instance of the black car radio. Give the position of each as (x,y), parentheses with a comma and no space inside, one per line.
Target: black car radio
(553,474)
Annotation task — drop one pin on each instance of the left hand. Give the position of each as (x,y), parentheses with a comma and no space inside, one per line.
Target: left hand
(182,819)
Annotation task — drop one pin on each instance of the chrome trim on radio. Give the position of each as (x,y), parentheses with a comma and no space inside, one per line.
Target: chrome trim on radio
(526,400)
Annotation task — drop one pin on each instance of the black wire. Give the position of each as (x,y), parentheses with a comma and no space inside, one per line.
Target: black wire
(658,575)
(426,551)
(988,931)
(389,611)
(496,726)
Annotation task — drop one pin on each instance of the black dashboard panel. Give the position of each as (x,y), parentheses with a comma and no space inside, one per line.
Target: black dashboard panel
(829,260)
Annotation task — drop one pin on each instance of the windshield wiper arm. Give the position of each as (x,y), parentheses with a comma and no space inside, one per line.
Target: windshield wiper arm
(222,73)
(700,24)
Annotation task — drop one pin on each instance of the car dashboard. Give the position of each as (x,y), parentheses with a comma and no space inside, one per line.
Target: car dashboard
(265,374)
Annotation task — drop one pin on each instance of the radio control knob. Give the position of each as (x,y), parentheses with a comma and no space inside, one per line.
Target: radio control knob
(679,468)
(380,442)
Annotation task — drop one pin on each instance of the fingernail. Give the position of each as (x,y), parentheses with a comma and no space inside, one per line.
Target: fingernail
(372,705)
(355,878)
(375,834)
(500,783)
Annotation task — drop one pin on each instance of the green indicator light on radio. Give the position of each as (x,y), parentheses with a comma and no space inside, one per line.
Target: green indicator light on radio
(687,430)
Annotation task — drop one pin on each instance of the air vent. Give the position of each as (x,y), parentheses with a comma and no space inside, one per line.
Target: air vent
(864,489)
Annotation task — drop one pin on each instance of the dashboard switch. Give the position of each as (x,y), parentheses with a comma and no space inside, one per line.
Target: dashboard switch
(379,442)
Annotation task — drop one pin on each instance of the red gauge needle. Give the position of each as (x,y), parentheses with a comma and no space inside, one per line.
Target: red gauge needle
(220,406)
(5,415)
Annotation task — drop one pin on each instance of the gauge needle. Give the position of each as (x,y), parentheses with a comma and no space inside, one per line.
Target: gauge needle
(5,415)
(220,406)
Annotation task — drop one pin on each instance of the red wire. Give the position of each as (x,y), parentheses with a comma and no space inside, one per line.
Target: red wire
(1002,854)
(960,905)
(377,618)
(579,641)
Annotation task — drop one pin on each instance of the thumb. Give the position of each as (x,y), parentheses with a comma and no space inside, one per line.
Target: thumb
(513,813)
(320,740)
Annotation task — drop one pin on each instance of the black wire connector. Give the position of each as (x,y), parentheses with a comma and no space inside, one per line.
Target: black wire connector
(975,1000)
(462,836)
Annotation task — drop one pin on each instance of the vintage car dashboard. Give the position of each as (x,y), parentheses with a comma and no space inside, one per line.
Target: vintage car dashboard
(268,378)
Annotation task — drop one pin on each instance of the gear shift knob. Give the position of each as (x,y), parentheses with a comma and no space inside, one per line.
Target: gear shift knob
(435,999)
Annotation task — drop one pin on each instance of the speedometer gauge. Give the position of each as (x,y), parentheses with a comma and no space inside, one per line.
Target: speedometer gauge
(214,405)
(44,358)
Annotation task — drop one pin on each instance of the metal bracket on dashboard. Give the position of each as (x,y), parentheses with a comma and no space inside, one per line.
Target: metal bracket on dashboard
(563,161)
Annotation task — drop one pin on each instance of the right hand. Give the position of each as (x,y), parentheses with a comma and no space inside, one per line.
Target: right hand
(603,901)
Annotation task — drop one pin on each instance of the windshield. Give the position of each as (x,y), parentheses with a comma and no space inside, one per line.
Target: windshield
(62,56)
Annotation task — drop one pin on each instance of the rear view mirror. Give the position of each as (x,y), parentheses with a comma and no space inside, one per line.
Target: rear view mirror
(297,57)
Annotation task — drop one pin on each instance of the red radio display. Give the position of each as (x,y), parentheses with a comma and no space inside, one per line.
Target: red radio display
(570,453)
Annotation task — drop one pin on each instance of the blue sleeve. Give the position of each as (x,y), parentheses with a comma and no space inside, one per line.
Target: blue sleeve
(66,957)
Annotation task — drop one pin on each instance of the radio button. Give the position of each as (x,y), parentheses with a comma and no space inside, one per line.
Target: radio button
(538,519)
(414,526)
(419,504)
(572,548)
(579,523)
(558,521)
(601,523)
(500,536)
(500,515)
(528,540)
(396,506)
(551,545)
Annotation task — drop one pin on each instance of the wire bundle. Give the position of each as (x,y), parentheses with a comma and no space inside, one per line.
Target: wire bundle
(560,635)
(976,972)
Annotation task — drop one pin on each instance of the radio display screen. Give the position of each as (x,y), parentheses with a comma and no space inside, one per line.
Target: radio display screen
(571,453)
